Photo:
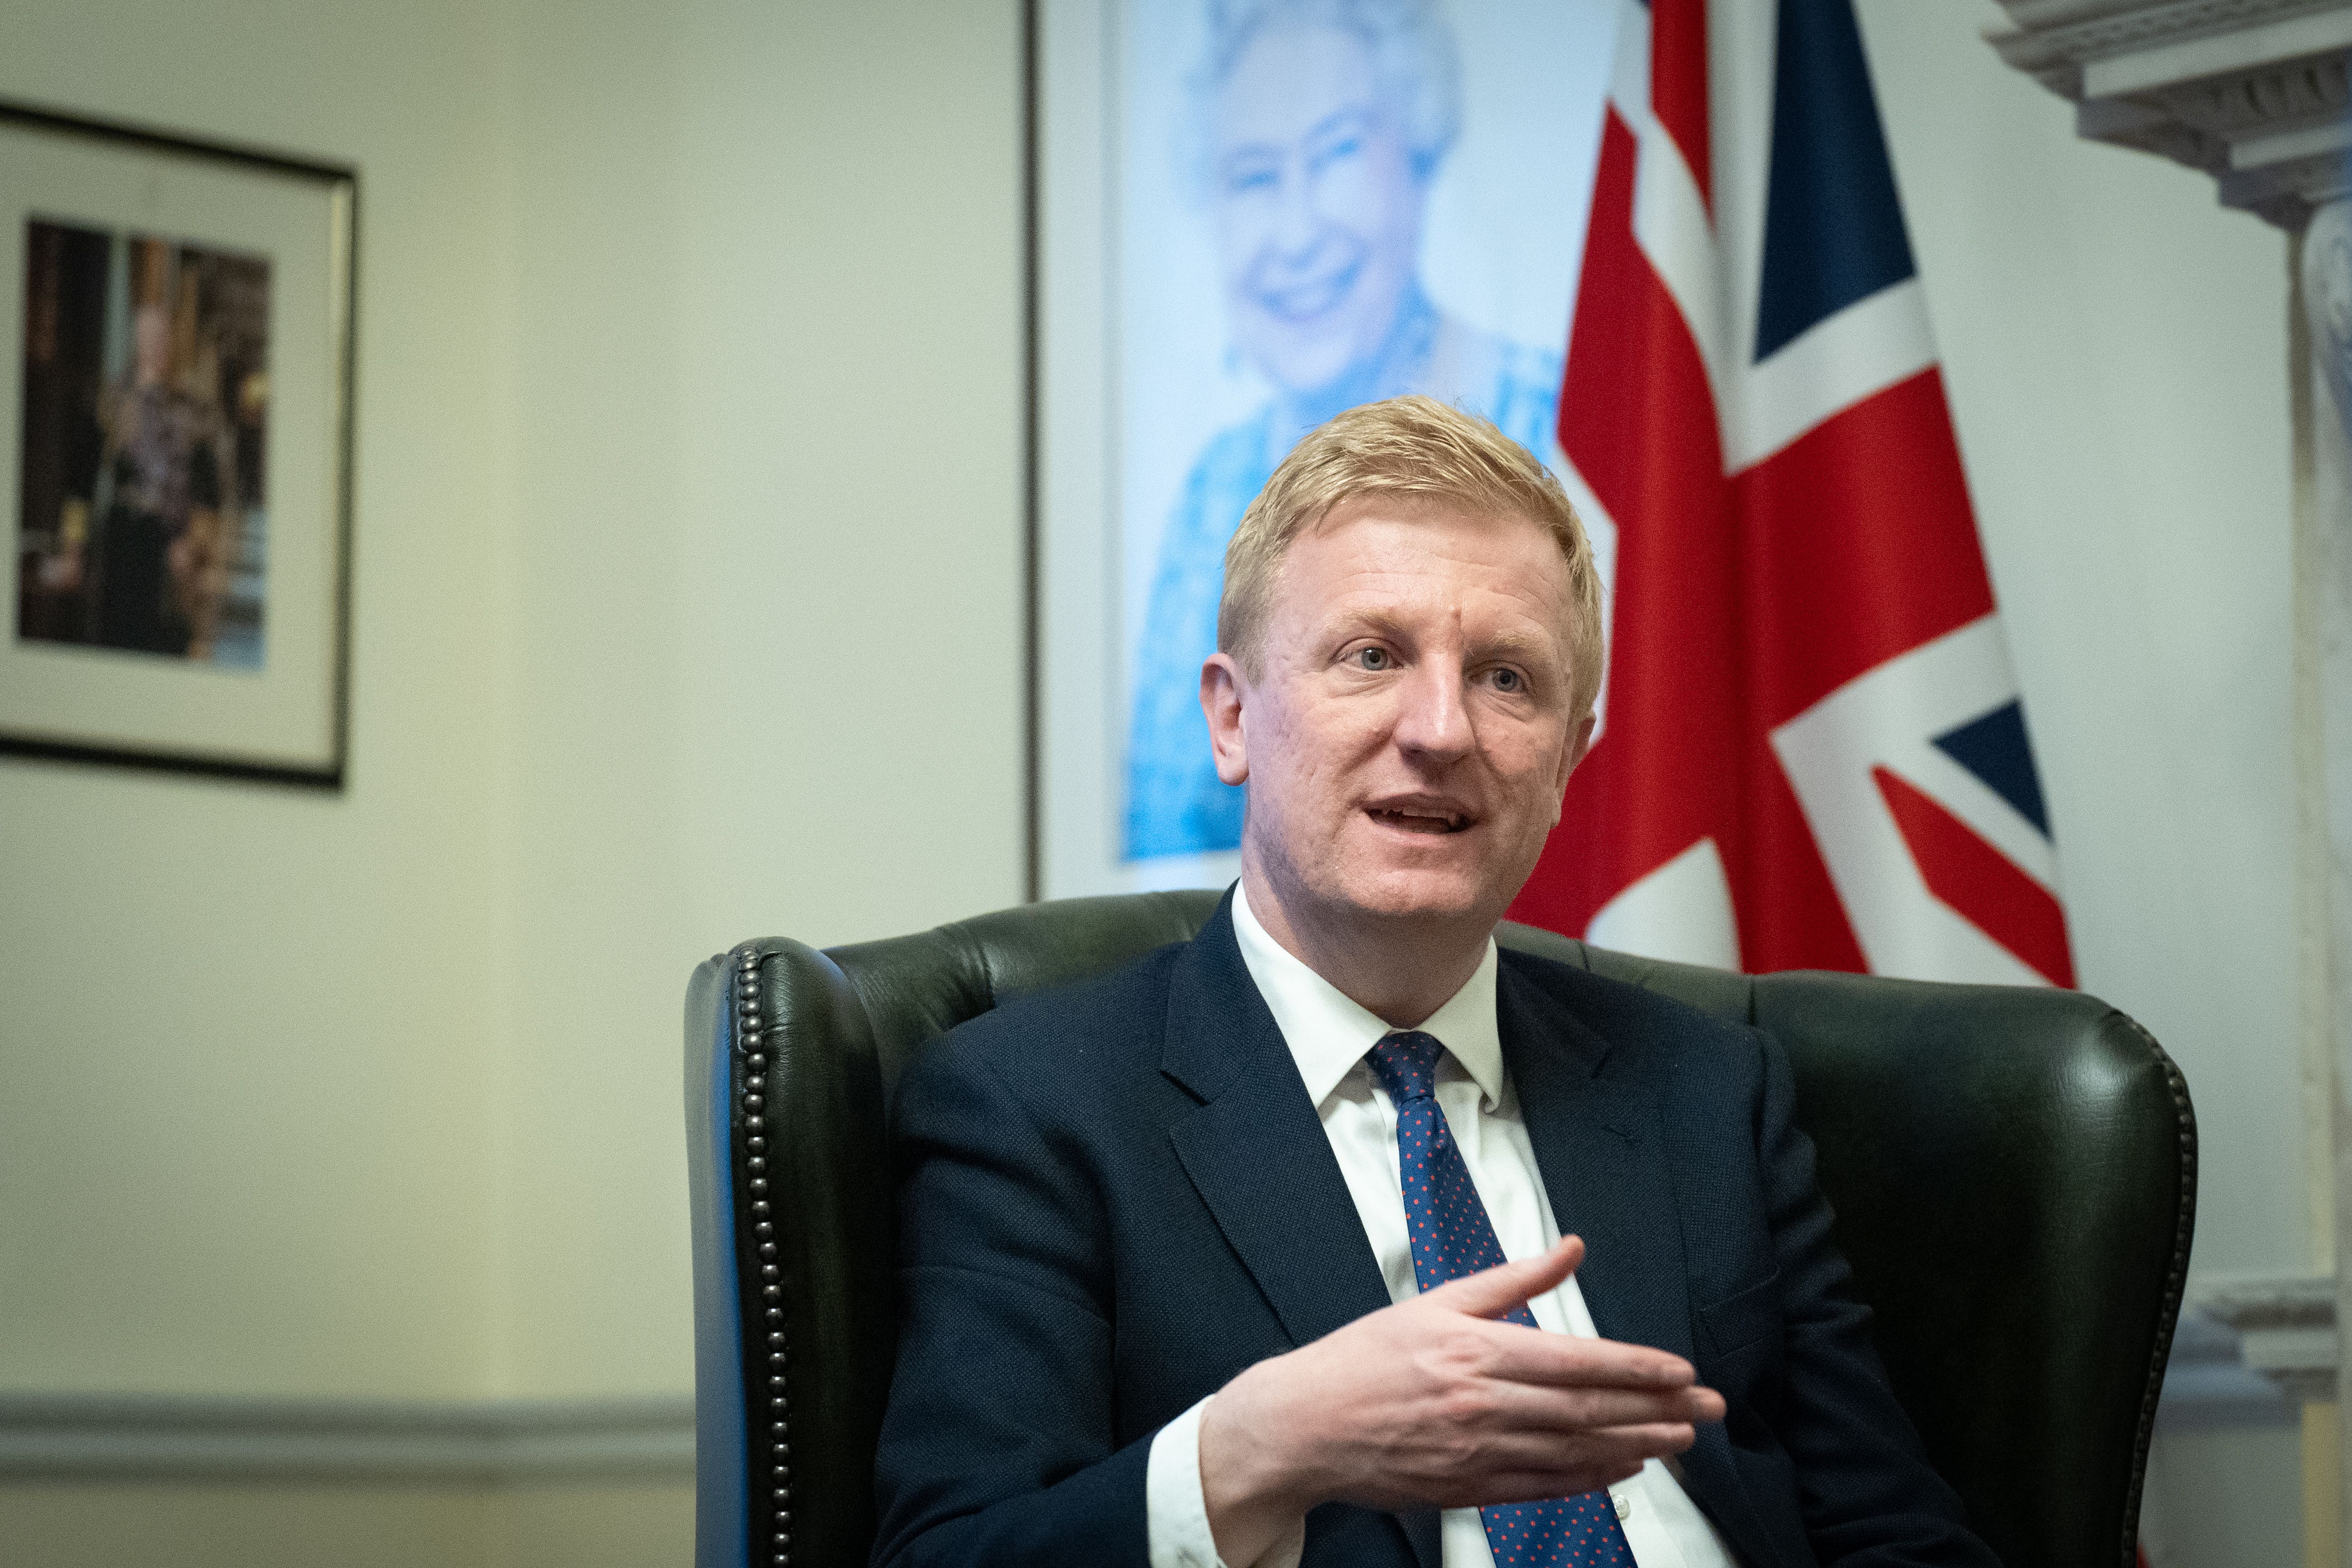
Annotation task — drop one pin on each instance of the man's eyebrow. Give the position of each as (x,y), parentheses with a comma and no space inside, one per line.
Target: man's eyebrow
(1509,641)
(1357,622)
(1515,642)
(1531,645)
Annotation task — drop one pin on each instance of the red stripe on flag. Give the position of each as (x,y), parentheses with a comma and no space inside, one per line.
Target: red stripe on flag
(1791,916)
(1857,544)
(1635,409)
(1982,885)
(1678,83)
(1637,418)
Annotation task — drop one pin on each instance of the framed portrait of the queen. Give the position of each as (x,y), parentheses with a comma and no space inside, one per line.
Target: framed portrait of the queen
(175,421)
(1252,215)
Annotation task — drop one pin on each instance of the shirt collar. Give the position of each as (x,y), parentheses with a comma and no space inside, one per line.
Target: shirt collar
(1329,1033)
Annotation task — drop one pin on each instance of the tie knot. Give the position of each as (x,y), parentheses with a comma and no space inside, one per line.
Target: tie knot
(1406,1064)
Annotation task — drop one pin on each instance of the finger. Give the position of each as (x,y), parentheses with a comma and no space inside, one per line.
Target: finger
(1491,1292)
(1651,1439)
(1597,1446)
(1569,1412)
(1524,1354)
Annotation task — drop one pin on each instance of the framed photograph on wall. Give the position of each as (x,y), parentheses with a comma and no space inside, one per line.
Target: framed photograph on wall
(1251,214)
(175,434)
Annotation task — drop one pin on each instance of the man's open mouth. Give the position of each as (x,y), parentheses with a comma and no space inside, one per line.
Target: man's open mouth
(1420,819)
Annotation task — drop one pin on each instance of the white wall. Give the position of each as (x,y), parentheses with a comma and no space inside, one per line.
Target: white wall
(2115,344)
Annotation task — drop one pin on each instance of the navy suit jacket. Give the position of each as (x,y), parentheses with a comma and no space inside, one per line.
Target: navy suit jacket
(1116,1197)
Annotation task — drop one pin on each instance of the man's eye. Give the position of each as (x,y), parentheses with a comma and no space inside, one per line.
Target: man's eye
(1373,659)
(1510,680)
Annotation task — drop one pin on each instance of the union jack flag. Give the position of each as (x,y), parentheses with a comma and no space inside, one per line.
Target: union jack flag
(1813,749)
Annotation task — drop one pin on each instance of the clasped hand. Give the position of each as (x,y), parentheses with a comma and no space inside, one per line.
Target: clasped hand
(1434,1402)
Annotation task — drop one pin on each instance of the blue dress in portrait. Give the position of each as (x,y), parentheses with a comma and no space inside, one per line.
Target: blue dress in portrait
(1175,803)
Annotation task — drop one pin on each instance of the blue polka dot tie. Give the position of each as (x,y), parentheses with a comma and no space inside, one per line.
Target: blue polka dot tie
(1452,1237)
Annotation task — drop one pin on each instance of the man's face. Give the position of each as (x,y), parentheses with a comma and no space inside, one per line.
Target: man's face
(1317,211)
(1409,738)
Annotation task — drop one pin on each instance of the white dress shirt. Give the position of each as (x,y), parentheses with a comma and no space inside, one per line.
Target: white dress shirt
(1328,1036)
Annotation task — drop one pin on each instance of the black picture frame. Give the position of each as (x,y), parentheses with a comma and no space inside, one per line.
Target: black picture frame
(243,261)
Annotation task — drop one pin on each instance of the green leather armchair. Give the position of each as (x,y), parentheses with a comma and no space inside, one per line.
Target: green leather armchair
(2015,1174)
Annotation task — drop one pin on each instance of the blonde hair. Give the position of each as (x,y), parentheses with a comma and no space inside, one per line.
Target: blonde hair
(1416,450)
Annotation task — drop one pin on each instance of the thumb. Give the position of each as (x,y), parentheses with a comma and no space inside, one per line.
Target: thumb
(1492,1293)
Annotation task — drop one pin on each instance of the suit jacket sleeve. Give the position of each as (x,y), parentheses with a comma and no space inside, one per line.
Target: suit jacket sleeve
(1863,1482)
(998,1446)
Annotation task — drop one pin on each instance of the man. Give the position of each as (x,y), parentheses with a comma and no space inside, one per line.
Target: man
(1204,1260)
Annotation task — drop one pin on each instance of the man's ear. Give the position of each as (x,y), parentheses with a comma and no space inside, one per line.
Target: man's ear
(1221,700)
(1570,756)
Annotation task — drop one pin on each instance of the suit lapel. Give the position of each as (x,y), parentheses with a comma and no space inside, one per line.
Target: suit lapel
(1600,1150)
(1255,1152)
(1255,1149)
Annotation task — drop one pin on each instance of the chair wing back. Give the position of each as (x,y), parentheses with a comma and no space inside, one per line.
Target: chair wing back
(2014,1171)
(789,1056)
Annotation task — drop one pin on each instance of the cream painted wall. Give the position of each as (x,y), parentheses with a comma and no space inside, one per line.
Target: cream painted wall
(70,1524)
(766,594)
(110,1524)
(245,1033)
(687,610)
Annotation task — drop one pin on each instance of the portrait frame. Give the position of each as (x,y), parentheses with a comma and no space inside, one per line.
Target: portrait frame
(198,473)
(1119,121)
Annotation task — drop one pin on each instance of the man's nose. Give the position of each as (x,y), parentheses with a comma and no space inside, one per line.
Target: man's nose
(1432,719)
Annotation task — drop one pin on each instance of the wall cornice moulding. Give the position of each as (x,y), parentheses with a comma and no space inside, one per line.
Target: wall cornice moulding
(159,1436)
(2285,1328)
(2253,92)
(2207,1383)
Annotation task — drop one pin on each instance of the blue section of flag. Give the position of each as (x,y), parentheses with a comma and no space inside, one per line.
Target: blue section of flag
(1832,226)
(1995,749)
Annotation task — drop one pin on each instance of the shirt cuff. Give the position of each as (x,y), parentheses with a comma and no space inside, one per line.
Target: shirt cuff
(1176,1513)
